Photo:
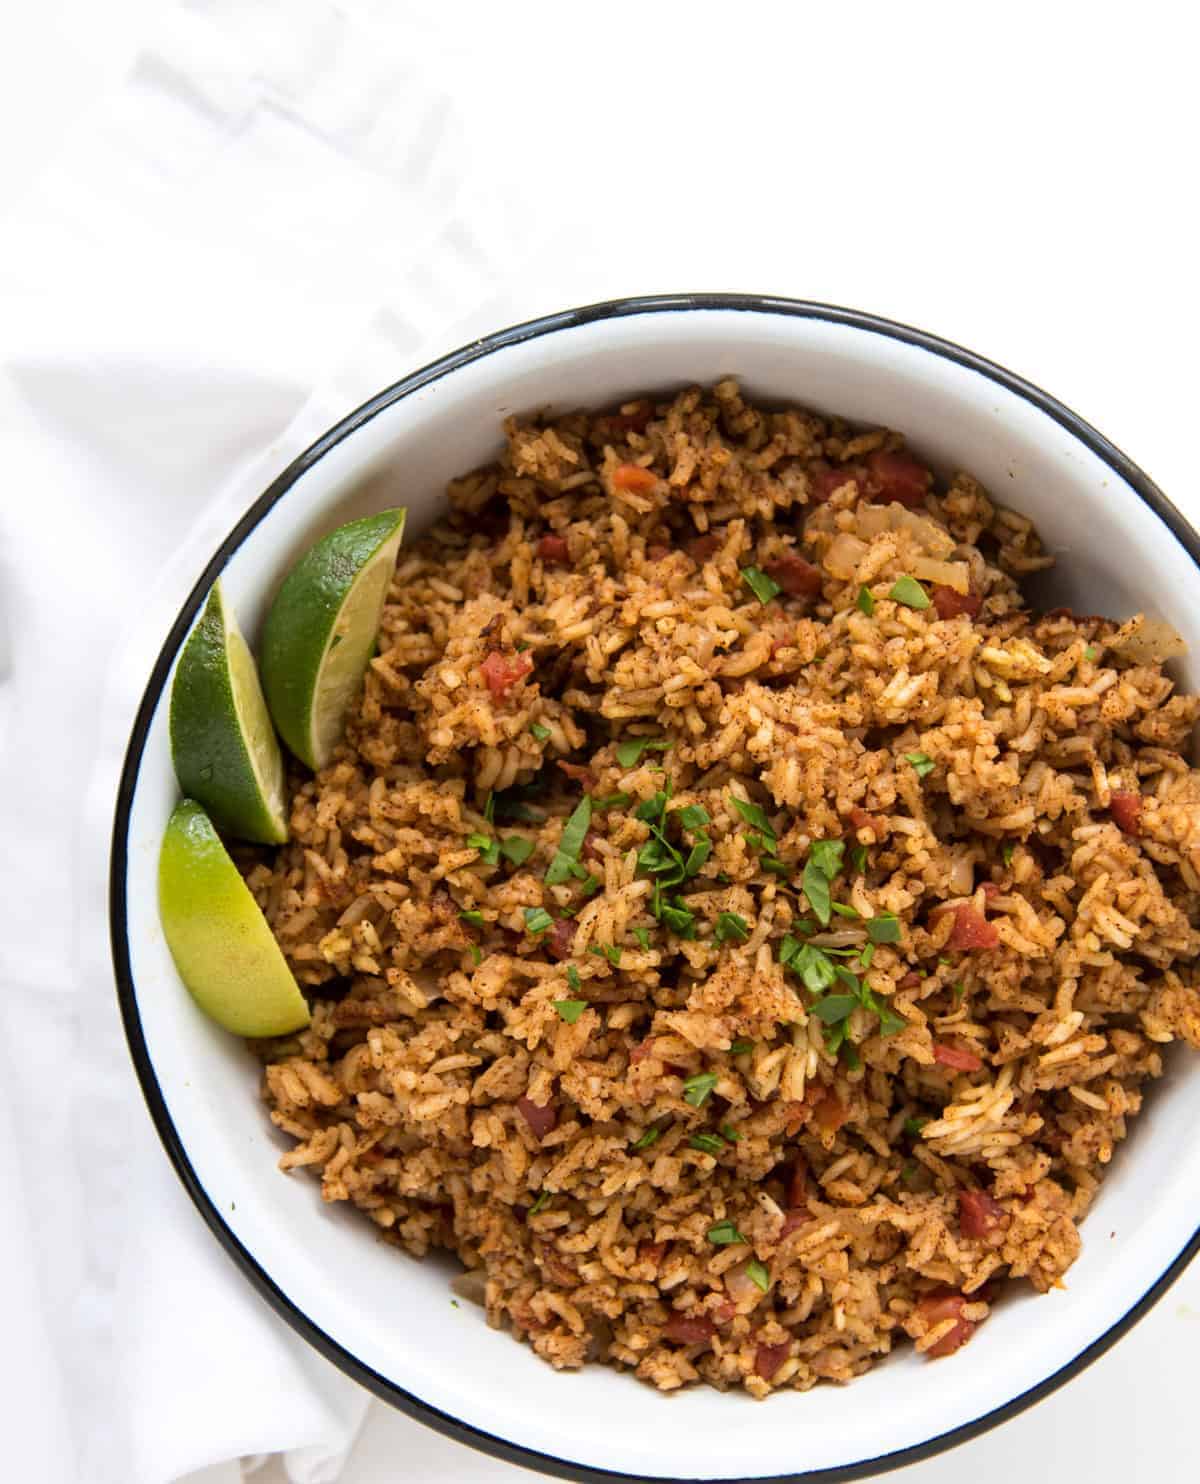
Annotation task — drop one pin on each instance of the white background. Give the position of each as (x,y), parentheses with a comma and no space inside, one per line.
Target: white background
(1019,179)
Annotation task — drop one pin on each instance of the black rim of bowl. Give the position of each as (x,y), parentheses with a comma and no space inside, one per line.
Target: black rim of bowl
(531,330)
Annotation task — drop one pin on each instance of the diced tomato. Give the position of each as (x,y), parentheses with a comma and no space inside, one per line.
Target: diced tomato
(501,672)
(978,1213)
(700,548)
(861,820)
(626,422)
(552,548)
(950,603)
(934,1308)
(634,479)
(540,1119)
(558,940)
(768,1359)
(911,980)
(575,771)
(831,1113)
(651,1252)
(956,1058)
(795,576)
(689,1329)
(792,1222)
(825,479)
(971,929)
(898,477)
(1126,810)
(798,1186)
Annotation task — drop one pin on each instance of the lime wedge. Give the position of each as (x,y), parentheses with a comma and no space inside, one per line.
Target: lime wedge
(218,937)
(222,741)
(321,629)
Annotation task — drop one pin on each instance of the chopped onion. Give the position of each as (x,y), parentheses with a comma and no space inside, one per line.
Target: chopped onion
(873,520)
(949,574)
(1147,641)
(741,1287)
(844,554)
(843,938)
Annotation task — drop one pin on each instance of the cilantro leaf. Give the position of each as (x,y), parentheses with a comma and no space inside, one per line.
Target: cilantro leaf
(573,977)
(908,590)
(890,1022)
(815,967)
(570,843)
(827,856)
(539,731)
(758,1274)
(843,910)
(835,1007)
(725,1234)
(709,1143)
(763,587)
(884,929)
(697,856)
(648,1138)
(730,927)
(537,920)
(629,752)
(543,1197)
(643,936)
(921,762)
(697,1089)
(474,918)
(865,600)
(753,815)
(858,859)
(612,801)
(693,816)
(741,1047)
(517,849)
(610,951)
(570,1010)
(914,1126)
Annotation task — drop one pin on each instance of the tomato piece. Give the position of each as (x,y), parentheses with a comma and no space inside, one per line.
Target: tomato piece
(899,478)
(956,1058)
(798,578)
(768,1359)
(978,1213)
(634,479)
(552,548)
(1126,810)
(541,1119)
(501,672)
(950,603)
(971,929)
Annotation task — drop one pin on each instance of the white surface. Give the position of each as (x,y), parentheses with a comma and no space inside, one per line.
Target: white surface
(395,1316)
(1014,179)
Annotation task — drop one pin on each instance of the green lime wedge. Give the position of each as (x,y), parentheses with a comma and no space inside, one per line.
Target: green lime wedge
(321,630)
(218,937)
(222,741)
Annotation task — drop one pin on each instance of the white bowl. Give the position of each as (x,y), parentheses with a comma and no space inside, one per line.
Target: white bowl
(387,1320)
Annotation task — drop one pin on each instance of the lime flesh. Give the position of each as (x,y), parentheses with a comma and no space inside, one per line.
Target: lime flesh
(321,630)
(218,936)
(222,741)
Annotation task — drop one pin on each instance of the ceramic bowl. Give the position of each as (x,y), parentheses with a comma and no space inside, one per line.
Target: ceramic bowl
(387,1320)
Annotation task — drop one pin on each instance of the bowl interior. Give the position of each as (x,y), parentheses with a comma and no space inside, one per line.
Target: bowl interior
(394,1315)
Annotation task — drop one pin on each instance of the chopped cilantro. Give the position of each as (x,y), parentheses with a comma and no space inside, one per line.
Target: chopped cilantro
(570,1010)
(960,989)
(914,1126)
(866,956)
(835,1007)
(758,1275)
(921,761)
(693,816)
(725,1234)
(1091,653)
(474,918)
(763,587)
(890,1022)
(454,1303)
(729,1133)
(851,1057)
(679,920)
(590,885)
(612,801)
(476,954)
(754,815)
(908,1173)
(697,856)
(908,590)
(823,864)
(788,950)
(610,951)
(730,928)
(629,752)
(489,849)
(566,857)
(543,1198)
(517,849)
(709,1143)
(1006,855)
(651,810)
(697,1089)
(539,731)
(843,910)
(537,920)
(643,936)
(884,929)
(858,858)
(648,1138)
(489,809)
(741,1047)
(865,600)
(835,1036)
(573,977)
(815,968)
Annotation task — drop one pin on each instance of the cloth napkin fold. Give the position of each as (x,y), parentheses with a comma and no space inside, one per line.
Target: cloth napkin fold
(274,191)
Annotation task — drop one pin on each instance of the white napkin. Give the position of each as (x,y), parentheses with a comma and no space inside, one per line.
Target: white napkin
(259,202)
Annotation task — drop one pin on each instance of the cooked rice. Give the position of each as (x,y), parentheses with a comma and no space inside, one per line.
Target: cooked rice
(435,1041)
